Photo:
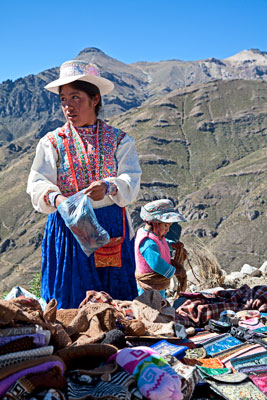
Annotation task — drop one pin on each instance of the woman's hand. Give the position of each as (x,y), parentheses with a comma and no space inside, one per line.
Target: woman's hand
(59,200)
(96,191)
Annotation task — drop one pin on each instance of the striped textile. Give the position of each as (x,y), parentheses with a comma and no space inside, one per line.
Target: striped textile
(80,386)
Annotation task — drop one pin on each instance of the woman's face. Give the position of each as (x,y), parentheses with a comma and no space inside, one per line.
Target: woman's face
(77,106)
(161,228)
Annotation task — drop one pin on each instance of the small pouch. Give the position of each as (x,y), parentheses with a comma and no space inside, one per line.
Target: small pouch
(109,255)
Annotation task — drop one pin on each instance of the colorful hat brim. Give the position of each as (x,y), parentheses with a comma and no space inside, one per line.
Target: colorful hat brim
(168,217)
(105,86)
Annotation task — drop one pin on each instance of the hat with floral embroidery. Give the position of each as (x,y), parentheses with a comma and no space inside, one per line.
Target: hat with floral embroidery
(161,210)
(78,70)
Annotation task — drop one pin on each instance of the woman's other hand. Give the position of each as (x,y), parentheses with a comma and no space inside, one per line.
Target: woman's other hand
(96,191)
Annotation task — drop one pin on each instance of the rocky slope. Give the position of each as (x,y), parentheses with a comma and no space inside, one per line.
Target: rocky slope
(201,139)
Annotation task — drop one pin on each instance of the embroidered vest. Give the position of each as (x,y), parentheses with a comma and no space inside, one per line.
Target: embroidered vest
(142,266)
(91,164)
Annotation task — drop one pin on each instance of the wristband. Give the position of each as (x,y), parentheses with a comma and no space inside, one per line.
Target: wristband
(108,186)
(52,198)
(111,188)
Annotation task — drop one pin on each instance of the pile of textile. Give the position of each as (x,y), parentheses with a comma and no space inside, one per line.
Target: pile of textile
(112,349)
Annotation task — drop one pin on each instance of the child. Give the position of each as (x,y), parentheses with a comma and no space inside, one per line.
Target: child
(152,255)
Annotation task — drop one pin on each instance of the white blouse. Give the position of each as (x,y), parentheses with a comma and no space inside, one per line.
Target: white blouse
(43,176)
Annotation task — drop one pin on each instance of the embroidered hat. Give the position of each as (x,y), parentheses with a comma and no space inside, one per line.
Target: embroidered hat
(77,70)
(161,210)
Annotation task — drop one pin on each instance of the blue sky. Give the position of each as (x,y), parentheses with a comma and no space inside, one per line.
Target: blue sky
(36,35)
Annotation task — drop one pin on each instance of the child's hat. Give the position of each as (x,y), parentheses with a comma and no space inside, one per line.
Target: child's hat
(161,210)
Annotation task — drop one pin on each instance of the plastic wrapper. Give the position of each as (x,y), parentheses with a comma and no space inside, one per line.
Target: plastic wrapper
(79,216)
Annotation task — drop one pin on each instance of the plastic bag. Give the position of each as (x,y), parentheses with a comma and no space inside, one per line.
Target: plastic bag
(79,216)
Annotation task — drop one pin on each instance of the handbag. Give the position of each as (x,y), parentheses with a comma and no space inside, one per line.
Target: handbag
(108,255)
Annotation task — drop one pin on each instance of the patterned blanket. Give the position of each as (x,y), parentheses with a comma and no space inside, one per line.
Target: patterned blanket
(199,308)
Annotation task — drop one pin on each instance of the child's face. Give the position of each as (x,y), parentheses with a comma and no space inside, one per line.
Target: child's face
(162,228)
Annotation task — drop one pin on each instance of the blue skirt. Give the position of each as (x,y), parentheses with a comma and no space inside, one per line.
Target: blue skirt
(67,273)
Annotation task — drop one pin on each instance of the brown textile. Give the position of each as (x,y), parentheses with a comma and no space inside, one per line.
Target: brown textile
(155,312)
(66,316)
(93,319)
(178,261)
(134,327)
(152,280)
(60,337)
(22,310)
(20,344)
(50,312)
(88,356)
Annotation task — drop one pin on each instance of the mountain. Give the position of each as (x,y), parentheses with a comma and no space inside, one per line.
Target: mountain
(200,129)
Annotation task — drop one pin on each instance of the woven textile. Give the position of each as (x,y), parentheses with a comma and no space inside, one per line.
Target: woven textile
(26,385)
(187,374)
(43,367)
(254,359)
(219,345)
(241,390)
(82,386)
(200,308)
(14,358)
(259,379)
(211,363)
(210,372)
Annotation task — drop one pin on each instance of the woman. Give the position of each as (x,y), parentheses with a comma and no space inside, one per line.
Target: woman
(154,267)
(85,153)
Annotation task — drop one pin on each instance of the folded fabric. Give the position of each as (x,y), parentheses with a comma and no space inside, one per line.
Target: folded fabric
(253,368)
(51,394)
(254,359)
(202,336)
(156,380)
(28,384)
(10,344)
(205,372)
(20,344)
(239,349)
(219,345)
(13,358)
(18,330)
(259,379)
(211,363)
(46,366)
(254,349)
(12,369)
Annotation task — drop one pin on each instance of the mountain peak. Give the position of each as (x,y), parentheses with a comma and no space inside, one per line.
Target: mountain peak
(253,56)
(89,50)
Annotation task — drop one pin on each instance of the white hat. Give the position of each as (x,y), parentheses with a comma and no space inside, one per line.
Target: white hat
(77,70)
